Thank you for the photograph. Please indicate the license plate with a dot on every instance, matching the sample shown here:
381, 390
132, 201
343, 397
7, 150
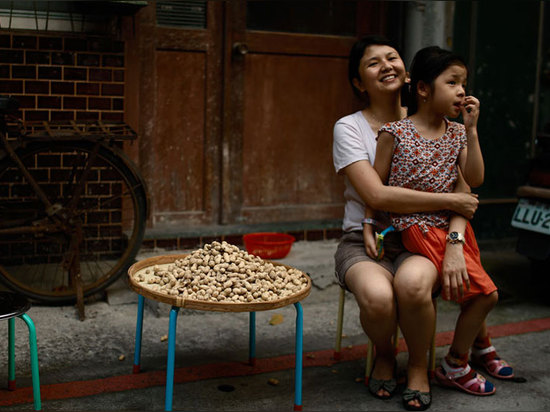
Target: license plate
533, 216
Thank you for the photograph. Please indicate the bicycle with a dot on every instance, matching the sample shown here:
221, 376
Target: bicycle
73, 207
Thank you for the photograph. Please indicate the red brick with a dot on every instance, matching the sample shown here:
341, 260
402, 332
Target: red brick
32, 57
85, 59
49, 102
5, 40
110, 60
112, 116
118, 75
23, 72
36, 115
112, 90
87, 116
63, 59
11, 56
24, 42
26, 102
99, 103
62, 88
118, 104
100, 75
11, 86
50, 43
5, 71
49, 72
37, 87
74, 102
74, 74
87, 88
62, 115
75, 44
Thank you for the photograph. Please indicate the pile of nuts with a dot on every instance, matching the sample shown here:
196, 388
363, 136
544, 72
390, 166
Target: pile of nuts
221, 272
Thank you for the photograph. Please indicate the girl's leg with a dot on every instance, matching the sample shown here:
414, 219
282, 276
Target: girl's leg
414, 283
471, 322
455, 370
372, 286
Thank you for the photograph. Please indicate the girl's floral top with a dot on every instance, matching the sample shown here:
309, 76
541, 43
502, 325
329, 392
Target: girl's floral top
425, 165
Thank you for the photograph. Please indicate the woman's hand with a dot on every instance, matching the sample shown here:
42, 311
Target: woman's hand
465, 204
370, 241
454, 276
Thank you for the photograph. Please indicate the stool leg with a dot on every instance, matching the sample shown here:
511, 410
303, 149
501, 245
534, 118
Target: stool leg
299, 357
11, 354
34, 361
252, 339
139, 331
171, 358
339, 324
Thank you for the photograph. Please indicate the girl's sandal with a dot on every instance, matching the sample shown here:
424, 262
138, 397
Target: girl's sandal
493, 365
463, 378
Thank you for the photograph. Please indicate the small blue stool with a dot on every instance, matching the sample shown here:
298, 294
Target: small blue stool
252, 350
11, 306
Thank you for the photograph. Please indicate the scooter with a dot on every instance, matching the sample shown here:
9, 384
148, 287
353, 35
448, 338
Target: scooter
532, 214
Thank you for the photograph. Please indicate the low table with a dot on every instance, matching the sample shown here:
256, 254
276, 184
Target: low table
178, 302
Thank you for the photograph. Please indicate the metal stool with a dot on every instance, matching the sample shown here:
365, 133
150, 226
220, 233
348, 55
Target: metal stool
370, 346
11, 306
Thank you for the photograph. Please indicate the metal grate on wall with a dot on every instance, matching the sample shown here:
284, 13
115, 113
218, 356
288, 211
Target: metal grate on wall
184, 14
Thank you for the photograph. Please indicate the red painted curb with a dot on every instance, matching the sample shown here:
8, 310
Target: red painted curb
141, 380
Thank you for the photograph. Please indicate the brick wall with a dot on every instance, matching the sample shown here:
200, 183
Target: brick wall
63, 77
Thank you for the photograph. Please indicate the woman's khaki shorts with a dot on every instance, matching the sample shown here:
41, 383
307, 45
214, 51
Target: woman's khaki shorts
351, 250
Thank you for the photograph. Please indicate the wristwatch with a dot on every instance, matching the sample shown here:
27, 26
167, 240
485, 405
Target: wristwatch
455, 237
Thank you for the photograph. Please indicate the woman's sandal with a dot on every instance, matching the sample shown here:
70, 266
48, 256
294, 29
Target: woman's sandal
424, 398
493, 365
375, 385
463, 378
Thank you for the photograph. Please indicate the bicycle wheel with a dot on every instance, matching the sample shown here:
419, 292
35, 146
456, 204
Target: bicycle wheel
36, 251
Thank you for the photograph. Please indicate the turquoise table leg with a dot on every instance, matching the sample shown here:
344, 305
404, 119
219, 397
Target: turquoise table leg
252, 339
11, 354
171, 358
34, 361
299, 357
139, 331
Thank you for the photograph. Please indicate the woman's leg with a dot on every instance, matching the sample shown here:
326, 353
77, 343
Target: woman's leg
373, 289
414, 283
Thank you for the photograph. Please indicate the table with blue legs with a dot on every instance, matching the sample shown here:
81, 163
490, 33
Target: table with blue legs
178, 302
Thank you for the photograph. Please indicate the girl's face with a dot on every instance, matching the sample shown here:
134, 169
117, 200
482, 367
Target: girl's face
381, 70
449, 91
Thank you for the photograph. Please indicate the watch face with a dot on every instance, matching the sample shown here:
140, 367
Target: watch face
453, 235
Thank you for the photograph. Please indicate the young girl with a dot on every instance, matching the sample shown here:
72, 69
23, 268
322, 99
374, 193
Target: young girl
425, 151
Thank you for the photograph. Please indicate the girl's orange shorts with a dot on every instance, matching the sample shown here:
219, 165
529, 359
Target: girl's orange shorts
433, 244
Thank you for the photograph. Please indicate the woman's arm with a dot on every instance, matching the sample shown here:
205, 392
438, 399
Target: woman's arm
368, 185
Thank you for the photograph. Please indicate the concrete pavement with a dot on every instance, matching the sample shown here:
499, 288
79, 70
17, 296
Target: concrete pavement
88, 365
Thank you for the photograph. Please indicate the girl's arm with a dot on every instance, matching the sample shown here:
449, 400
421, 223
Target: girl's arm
368, 185
471, 158
454, 275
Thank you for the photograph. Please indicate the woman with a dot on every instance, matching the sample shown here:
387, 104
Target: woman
377, 74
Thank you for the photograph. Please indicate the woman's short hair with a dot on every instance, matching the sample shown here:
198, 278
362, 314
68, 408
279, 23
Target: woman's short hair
357, 52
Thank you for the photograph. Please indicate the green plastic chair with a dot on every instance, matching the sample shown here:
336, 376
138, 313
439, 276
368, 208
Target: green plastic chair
11, 306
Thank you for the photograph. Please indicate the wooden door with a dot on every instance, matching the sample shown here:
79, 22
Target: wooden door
235, 113
174, 94
283, 92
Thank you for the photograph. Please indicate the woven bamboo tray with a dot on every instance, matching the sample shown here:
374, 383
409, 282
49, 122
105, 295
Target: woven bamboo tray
205, 305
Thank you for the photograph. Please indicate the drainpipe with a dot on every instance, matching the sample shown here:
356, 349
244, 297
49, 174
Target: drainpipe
537, 81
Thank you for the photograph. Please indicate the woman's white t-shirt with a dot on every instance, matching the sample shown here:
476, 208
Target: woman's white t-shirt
354, 140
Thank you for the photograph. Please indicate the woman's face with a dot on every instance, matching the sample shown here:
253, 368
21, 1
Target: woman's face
381, 70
